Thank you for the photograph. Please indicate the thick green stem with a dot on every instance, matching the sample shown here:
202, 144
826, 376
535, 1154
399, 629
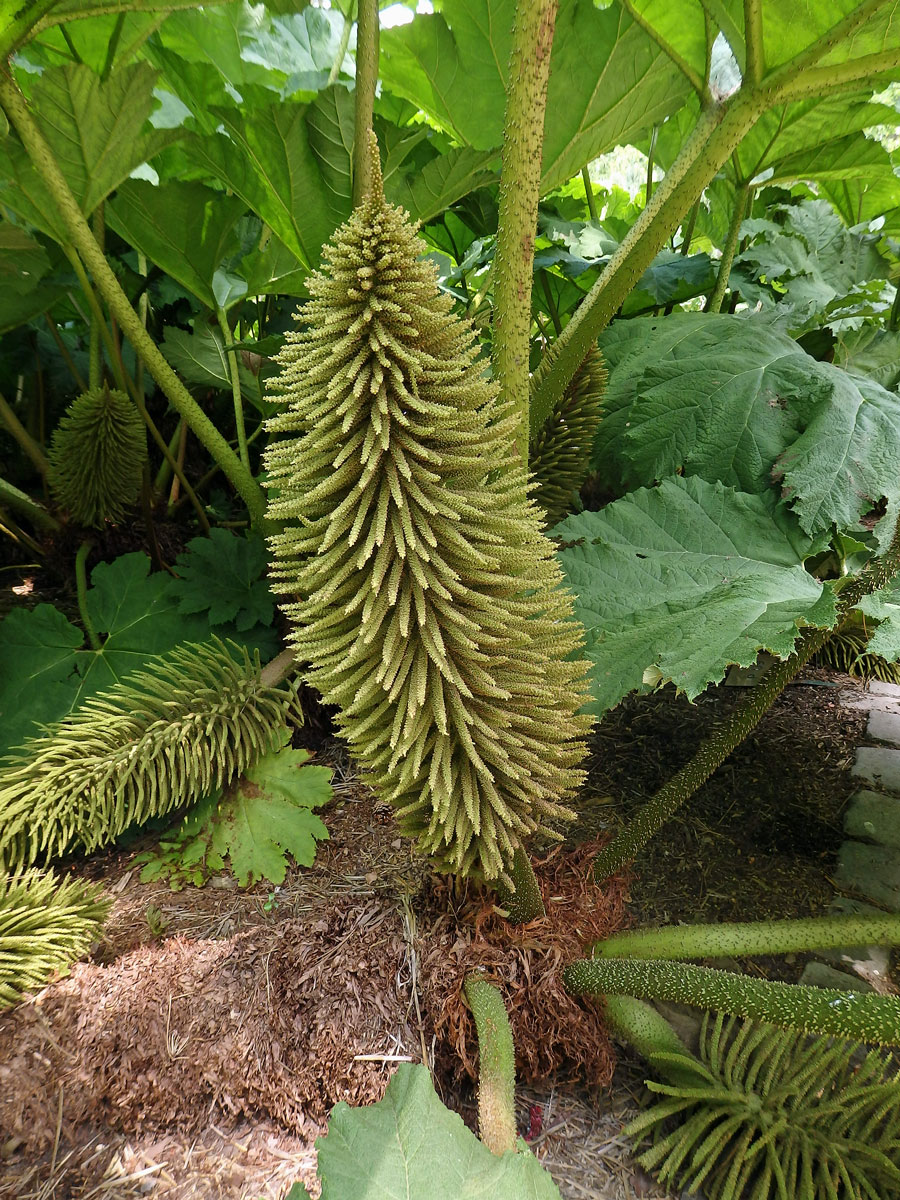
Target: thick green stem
165, 472
688, 230
741, 198
859, 1016
23, 503
551, 303
496, 1066
520, 185
589, 192
64, 351
868, 70
753, 937
648, 188
98, 321
143, 313
81, 585
639, 1024
234, 371
842, 32
755, 59
524, 903
23, 437
342, 45
24, 19
718, 131
278, 669
42, 159
367, 43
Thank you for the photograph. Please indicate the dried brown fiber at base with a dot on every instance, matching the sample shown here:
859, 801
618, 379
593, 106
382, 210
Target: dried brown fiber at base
264, 1023
553, 1032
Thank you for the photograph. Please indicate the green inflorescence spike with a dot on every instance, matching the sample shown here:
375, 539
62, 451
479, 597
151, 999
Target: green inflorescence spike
45, 924
561, 451
97, 457
164, 737
422, 593
767, 1115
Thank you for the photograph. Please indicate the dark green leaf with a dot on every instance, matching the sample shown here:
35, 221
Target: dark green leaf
95, 129
671, 279
36, 683
267, 159
200, 358
185, 228
677, 582
23, 261
426, 193
224, 575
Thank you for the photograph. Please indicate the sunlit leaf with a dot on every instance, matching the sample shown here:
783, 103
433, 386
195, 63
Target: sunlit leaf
683, 580
96, 130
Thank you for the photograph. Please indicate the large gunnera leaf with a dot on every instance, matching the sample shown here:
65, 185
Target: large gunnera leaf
682, 580
734, 399
408, 1146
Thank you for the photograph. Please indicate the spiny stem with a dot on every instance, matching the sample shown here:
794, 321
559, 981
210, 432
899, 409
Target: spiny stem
234, 372
18, 431
859, 1016
524, 903
79, 231
95, 366
81, 585
741, 201
719, 129
496, 1066
639, 1024
367, 47
23, 22
520, 181
752, 937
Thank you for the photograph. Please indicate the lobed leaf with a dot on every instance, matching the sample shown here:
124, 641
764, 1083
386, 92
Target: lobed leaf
266, 814
50, 673
224, 575
409, 1145
677, 582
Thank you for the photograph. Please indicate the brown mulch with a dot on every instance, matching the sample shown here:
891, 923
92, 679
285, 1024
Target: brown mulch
554, 1034
282, 1013
196, 1057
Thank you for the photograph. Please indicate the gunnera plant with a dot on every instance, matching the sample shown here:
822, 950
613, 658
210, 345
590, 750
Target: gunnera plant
766, 1115
421, 591
97, 457
561, 451
45, 924
163, 738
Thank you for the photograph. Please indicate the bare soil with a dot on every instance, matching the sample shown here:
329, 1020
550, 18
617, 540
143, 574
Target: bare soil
198, 1052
